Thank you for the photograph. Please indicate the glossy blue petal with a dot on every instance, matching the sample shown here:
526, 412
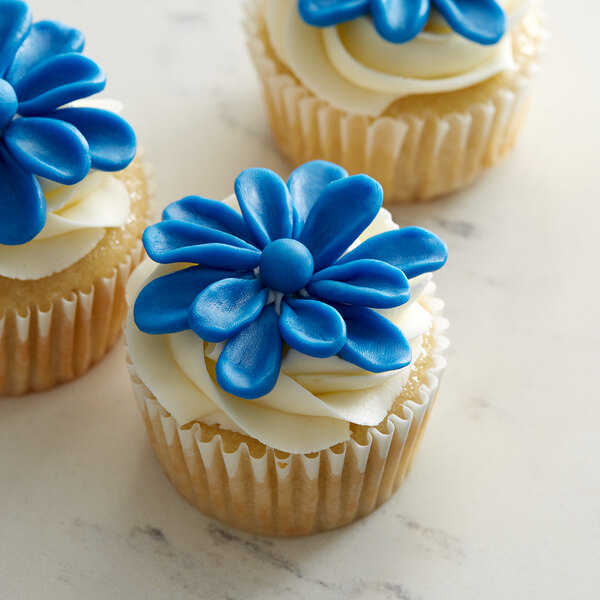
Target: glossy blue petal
249, 364
219, 256
266, 205
162, 305
399, 21
363, 283
58, 81
312, 327
110, 138
225, 307
482, 21
46, 39
178, 241
412, 249
343, 211
209, 213
8, 104
22, 202
49, 148
306, 184
15, 23
372, 342
323, 13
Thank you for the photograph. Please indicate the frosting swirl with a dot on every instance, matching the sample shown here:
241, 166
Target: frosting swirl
77, 219
352, 67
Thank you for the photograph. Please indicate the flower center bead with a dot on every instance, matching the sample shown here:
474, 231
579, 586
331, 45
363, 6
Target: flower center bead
286, 266
8, 103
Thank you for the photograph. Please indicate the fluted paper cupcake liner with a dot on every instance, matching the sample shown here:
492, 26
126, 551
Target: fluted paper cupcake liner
415, 158
50, 345
281, 494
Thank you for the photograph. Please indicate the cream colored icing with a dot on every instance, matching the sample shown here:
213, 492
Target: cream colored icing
356, 70
314, 401
77, 217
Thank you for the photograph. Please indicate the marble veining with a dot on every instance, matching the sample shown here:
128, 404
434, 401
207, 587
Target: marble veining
502, 501
462, 228
436, 541
189, 18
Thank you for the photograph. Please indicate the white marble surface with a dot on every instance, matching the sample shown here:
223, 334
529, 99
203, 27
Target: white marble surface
504, 499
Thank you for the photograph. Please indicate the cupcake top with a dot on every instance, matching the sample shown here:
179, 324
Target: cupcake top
49, 138
300, 308
362, 55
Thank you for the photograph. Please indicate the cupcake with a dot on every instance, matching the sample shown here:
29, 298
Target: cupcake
73, 206
285, 347
421, 96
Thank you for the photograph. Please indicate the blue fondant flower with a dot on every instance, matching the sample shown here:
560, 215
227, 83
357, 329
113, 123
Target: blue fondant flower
41, 70
279, 272
398, 21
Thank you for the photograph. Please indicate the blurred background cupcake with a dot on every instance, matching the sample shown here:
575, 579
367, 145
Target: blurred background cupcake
73, 205
286, 348
422, 95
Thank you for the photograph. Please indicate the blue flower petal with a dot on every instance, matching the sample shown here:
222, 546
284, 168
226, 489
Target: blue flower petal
412, 249
178, 241
49, 148
482, 21
46, 39
22, 202
58, 81
8, 104
363, 283
323, 13
306, 184
225, 307
15, 23
248, 366
208, 213
110, 138
372, 342
399, 21
343, 211
219, 256
266, 205
312, 327
162, 305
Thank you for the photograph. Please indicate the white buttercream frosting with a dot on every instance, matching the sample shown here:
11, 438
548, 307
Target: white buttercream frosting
352, 67
315, 400
77, 218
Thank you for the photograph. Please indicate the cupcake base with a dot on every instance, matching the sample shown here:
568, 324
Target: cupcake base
54, 329
422, 146
247, 485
